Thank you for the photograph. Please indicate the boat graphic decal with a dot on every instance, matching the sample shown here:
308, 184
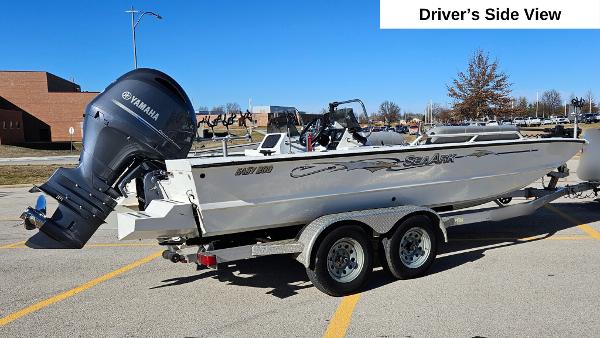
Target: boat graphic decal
480, 153
374, 165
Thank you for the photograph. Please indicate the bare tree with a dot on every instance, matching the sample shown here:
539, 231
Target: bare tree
217, 110
389, 111
362, 119
481, 90
202, 108
551, 102
232, 107
589, 98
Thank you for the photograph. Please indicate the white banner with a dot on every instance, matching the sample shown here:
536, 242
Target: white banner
489, 14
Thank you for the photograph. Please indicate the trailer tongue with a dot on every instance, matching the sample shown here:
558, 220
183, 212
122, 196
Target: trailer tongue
141, 119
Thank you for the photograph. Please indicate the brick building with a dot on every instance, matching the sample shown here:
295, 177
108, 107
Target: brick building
42, 105
11, 123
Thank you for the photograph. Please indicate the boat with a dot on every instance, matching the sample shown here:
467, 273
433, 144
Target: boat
138, 132
448, 171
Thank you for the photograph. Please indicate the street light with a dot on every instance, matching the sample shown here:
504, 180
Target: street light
134, 25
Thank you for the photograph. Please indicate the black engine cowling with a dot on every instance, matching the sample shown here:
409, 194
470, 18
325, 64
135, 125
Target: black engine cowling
140, 120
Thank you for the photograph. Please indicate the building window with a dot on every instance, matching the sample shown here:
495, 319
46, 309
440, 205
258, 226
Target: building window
18, 125
4, 124
10, 123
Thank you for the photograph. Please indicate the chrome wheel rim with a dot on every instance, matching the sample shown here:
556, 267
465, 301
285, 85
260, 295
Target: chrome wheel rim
345, 260
415, 247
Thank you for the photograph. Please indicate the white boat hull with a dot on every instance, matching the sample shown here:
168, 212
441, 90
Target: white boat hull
245, 194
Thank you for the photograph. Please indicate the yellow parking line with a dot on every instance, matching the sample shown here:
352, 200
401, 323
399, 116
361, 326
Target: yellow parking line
557, 238
12, 245
21, 245
62, 296
341, 319
585, 227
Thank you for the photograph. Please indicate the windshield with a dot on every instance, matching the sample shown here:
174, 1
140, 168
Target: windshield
282, 122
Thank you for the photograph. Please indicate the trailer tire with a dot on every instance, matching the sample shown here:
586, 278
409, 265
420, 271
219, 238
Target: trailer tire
412, 248
343, 261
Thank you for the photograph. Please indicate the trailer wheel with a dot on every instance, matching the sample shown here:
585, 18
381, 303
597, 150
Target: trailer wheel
412, 248
343, 261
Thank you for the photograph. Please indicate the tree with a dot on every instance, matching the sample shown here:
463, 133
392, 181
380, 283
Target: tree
519, 106
362, 119
217, 110
589, 97
551, 102
389, 111
441, 114
232, 107
482, 90
202, 108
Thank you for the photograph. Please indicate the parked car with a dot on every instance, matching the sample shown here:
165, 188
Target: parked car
591, 118
413, 130
492, 123
519, 121
546, 121
506, 122
533, 122
560, 120
588, 118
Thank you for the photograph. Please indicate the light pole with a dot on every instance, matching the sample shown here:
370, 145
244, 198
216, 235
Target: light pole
134, 24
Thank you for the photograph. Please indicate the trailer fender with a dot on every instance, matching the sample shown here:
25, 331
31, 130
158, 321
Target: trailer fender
381, 221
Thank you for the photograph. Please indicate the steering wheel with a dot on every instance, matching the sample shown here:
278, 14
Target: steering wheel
316, 127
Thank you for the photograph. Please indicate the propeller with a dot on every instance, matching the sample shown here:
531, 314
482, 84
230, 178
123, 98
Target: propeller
34, 218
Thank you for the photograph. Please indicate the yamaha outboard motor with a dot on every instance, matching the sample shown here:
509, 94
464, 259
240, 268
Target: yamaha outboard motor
140, 120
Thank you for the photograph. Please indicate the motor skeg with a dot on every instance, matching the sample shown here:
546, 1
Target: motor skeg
589, 164
143, 117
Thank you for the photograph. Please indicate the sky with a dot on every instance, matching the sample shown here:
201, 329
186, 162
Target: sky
300, 53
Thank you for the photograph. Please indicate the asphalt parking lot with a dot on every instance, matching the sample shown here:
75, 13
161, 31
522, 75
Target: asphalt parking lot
533, 276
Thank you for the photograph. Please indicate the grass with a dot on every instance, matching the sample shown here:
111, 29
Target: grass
19, 151
8, 151
27, 174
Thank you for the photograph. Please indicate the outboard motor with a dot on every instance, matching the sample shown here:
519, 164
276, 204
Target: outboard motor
140, 120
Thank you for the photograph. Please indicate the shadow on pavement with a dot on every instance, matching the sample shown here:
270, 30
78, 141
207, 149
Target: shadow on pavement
284, 276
